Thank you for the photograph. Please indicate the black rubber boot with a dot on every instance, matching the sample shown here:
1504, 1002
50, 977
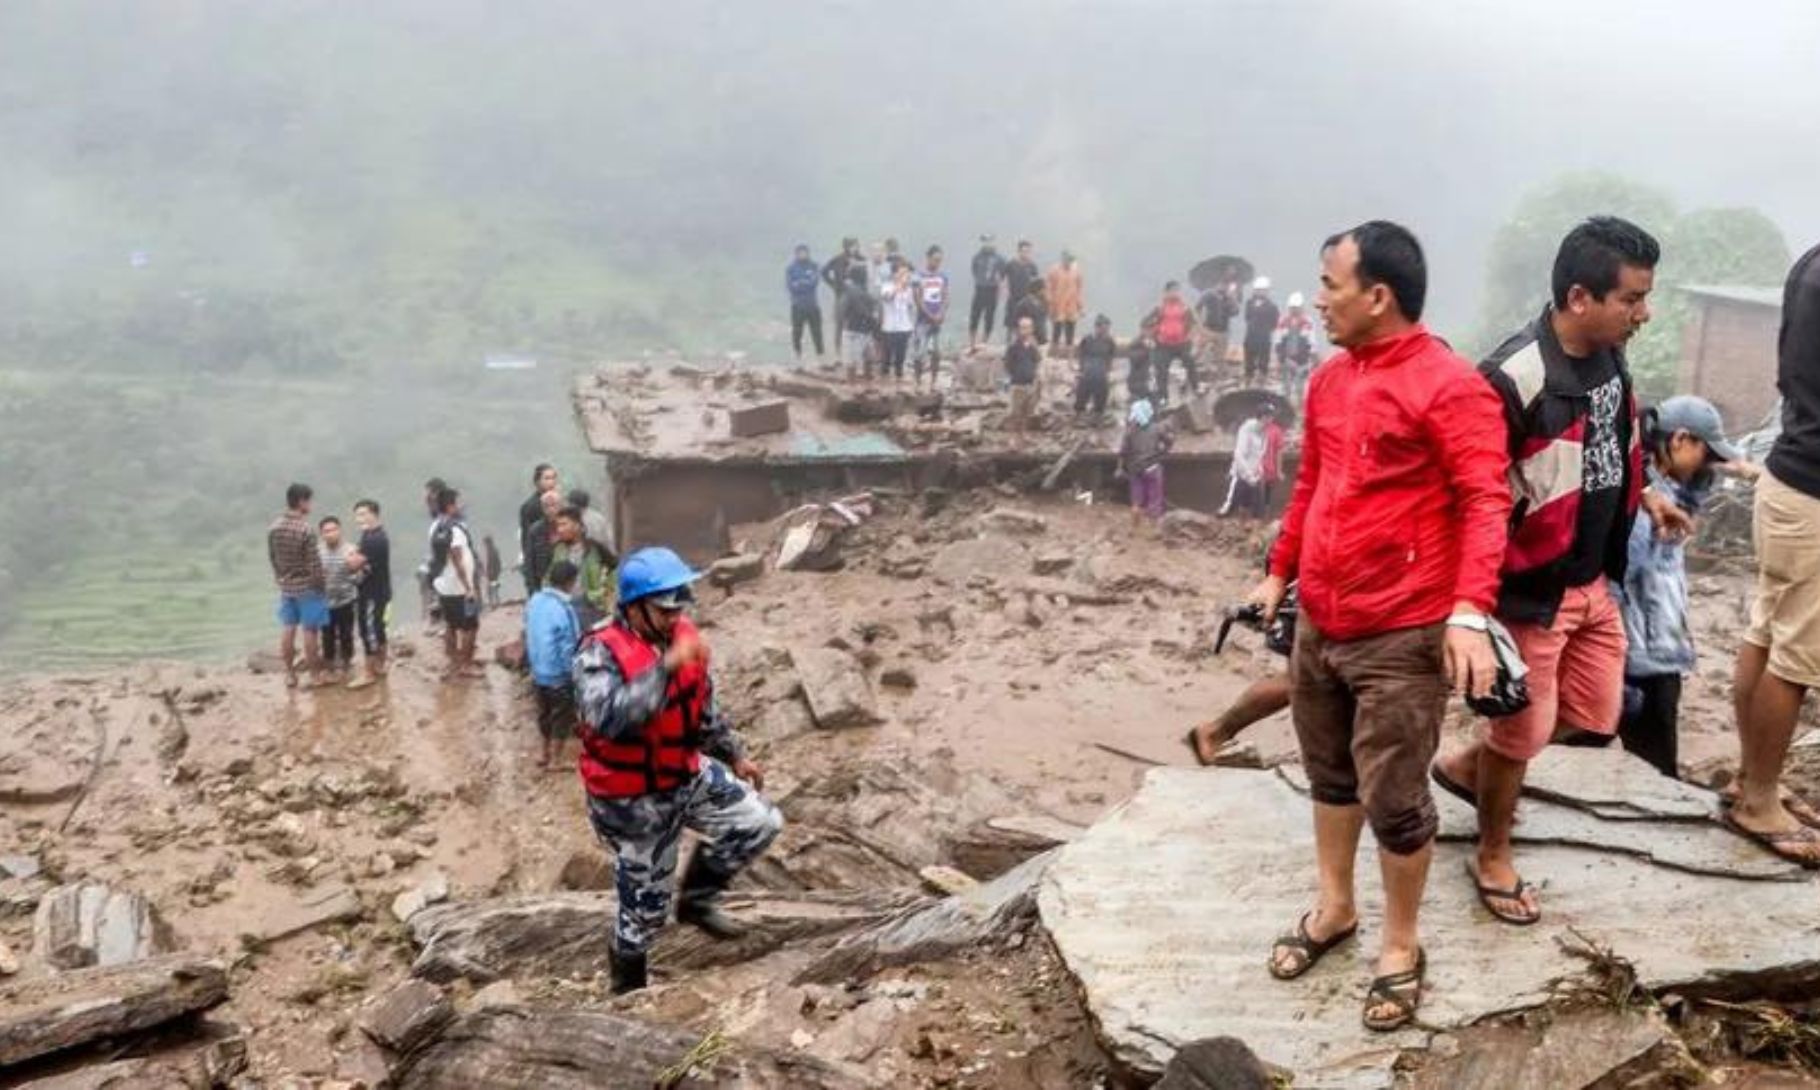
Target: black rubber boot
628, 972
698, 902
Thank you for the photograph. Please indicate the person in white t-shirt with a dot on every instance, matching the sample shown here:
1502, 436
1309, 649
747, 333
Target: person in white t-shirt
455, 576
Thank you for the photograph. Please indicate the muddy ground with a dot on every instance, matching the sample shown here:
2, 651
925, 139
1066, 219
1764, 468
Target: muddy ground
1023, 668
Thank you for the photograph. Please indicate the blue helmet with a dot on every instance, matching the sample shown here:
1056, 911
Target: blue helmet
654, 571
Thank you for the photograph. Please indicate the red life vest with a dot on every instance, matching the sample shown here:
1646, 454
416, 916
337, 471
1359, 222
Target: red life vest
668, 754
1172, 322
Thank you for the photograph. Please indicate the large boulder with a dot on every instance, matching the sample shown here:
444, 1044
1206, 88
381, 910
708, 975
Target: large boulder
1165, 912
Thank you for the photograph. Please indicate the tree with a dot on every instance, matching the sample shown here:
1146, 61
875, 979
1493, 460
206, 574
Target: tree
1737, 246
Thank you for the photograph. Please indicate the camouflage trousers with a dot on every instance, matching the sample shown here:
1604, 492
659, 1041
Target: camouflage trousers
645, 832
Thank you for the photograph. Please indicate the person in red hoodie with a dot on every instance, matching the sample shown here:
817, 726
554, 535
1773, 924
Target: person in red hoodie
1395, 529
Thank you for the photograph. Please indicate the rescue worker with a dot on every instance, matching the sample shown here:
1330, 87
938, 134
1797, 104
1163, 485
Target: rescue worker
657, 758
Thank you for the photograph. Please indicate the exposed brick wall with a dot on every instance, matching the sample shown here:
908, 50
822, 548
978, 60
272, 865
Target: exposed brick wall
1728, 356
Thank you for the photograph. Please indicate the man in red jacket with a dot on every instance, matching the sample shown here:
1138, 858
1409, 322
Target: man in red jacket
1395, 529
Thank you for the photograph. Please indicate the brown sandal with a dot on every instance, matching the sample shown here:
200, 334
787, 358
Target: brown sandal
1310, 949
1798, 808
1788, 845
1402, 990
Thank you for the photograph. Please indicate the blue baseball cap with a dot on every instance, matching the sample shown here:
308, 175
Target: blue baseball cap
1699, 418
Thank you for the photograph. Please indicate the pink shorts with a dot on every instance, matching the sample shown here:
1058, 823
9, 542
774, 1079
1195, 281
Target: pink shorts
1576, 673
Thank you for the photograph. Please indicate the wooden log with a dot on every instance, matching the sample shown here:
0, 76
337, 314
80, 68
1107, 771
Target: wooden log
47, 1015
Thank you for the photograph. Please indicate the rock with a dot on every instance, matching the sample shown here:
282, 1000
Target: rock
930, 931
1183, 525
222, 1060
407, 1015
562, 934
365, 1064
1216, 1063
312, 908
66, 1010
264, 661
508, 1048
588, 869
20, 866
9, 961
89, 924
1127, 906
835, 687
898, 677
768, 418
141, 1074
1052, 563
1597, 1047
947, 881
432, 890
500, 993
511, 653
730, 571
1010, 520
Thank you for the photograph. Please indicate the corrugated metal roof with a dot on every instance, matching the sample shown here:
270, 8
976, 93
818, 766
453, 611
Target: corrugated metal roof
1737, 293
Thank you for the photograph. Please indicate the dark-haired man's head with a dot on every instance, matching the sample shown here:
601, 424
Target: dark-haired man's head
1173, 287
448, 501
568, 525
802, 251
578, 497
1023, 248
1374, 281
934, 255
330, 528
544, 477
431, 489
297, 498
366, 514
1603, 275
562, 575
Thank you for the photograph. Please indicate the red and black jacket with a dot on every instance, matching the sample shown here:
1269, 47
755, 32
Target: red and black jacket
667, 753
1545, 410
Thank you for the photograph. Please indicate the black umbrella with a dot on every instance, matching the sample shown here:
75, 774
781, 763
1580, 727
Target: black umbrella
1235, 408
1215, 271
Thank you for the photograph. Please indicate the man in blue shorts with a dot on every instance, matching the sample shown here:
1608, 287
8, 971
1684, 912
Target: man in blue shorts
297, 568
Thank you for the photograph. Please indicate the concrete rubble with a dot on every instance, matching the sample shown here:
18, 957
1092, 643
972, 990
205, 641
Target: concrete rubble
835, 686
1166, 910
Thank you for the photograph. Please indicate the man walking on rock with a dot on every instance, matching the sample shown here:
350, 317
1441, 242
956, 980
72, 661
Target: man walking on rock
1779, 660
658, 757
1578, 477
1395, 531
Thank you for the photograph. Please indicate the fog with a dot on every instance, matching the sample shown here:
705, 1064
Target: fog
317, 206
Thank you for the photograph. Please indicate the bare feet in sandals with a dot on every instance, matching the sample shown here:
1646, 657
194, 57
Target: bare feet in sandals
1396, 992
1504, 893
1789, 839
1315, 934
1206, 740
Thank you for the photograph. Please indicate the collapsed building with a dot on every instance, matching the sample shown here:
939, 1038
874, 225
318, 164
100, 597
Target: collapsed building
693, 449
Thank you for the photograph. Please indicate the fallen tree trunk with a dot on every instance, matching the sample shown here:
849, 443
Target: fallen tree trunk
43, 1016
507, 1048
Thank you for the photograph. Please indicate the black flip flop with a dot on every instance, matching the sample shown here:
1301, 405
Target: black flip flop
1798, 808
1488, 893
1458, 790
1402, 990
1312, 951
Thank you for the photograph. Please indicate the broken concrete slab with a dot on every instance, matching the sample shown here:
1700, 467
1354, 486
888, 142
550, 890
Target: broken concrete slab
1699, 847
407, 1016
313, 908
1614, 785
1128, 903
47, 1015
835, 687
87, 923
1051, 563
506, 1048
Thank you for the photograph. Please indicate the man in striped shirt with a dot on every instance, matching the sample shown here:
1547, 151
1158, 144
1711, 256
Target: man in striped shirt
302, 598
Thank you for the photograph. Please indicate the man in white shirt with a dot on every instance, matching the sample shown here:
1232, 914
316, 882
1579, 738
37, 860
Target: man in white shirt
1246, 492
455, 578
